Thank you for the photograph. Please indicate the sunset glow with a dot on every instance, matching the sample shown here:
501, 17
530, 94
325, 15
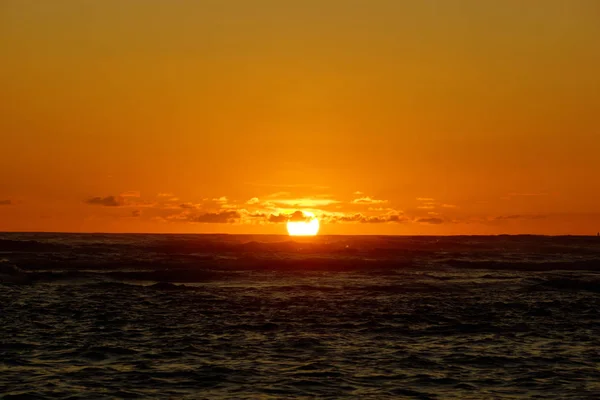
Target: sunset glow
309, 227
383, 117
312, 194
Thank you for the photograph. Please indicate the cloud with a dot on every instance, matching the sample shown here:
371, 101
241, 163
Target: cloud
501, 217
6, 202
374, 220
109, 201
187, 206
349, 218
253, 200
298, 216
396, 218
223, 202
167, 197
278, 218
269, 204
518, 216
316, 187
383, 219
256, 215
279, 194
139, 203
130, 193
307, 202
449, 206
428, 203
136, 213
527, 194
364, 219
358, 193
432, 220
129, 199
367, 200
222, 217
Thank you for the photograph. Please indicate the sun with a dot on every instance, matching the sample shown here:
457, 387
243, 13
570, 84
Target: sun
303, 224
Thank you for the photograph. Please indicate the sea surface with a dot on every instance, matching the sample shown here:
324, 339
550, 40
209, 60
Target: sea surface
234, 317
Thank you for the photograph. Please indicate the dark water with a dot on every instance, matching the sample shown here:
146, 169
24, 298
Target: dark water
125, 316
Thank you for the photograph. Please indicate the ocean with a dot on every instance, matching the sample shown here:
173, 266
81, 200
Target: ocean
232, 317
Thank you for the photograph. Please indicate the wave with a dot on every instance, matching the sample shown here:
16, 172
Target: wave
570, 284
10, 273
575, 265
8, 245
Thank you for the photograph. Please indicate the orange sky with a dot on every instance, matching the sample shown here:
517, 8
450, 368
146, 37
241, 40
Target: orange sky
380, 116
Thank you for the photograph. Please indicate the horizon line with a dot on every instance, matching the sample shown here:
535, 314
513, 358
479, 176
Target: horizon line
283, 234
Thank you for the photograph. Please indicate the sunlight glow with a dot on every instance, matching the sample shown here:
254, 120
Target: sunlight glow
310, 227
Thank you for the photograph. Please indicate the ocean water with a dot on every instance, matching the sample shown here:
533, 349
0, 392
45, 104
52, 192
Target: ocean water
221, 316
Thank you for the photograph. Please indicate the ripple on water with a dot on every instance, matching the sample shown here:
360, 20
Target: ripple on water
279, 335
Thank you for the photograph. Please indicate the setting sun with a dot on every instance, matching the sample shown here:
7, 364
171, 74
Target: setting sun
157, 153
303, 224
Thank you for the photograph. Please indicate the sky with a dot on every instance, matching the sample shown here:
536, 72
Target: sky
379, 116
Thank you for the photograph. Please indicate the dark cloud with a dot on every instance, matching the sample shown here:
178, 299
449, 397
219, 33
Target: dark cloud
109, 201
396, 218
130, 200
517, 216
363, 219
433, 221
6, 202
278, 218
136, 213
350, 218
257, 215
187, 205
509, 217
223, 217
374, 220
298, 216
